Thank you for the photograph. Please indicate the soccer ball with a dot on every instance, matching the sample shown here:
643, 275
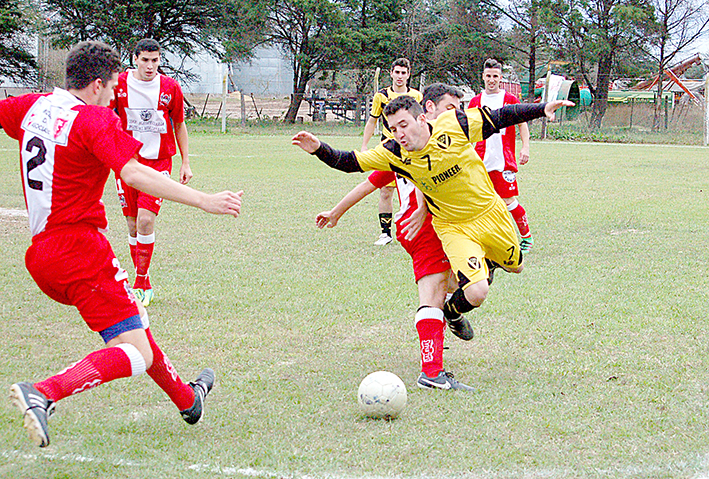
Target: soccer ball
382, 395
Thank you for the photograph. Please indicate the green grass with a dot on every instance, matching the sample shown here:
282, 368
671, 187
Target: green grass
591, 363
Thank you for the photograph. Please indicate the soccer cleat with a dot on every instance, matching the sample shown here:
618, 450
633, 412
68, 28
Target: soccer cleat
491, 267
525, 244
383, 239
201, 387
36, 409
147, 297
461, 327
444, 380
139, 294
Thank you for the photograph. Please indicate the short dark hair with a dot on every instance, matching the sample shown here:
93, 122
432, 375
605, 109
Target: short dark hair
403, 102
436, 91
401, 62
146, 45
492, 63
88, 61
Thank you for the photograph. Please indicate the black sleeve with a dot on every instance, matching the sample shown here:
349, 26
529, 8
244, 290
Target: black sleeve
338, 159
496, 120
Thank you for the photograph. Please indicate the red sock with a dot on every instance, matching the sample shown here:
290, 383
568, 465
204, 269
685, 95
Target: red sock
97, 368
165, 376
143, 255
520, 217
430, 324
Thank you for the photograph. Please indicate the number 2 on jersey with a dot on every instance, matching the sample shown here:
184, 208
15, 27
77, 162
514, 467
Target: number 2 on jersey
35, 161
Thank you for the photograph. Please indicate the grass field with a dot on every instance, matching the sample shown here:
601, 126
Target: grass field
592, 363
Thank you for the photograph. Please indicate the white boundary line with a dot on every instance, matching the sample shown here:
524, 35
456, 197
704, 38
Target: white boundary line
680, 468
8, 212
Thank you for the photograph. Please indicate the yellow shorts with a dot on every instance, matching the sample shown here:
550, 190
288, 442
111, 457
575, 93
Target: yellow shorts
492, 236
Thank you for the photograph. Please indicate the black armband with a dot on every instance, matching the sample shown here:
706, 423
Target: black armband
338, 159
496, 120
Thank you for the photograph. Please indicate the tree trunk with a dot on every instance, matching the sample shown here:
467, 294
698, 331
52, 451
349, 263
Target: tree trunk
297, 97
532, 55
600, 102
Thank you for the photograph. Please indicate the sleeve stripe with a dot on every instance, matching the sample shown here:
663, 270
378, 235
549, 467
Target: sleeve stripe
463, 122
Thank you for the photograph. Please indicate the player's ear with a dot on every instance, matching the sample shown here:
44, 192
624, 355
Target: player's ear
429, 106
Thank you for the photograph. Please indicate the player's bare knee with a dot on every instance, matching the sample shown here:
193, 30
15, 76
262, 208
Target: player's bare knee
477, 292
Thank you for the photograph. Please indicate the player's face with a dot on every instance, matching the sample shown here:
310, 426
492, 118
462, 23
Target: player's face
410, 132
447, 102
105, 94
491, 78
399, 76
146, 64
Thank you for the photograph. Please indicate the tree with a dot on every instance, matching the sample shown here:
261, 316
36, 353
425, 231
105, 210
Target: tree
182, 27
678, 24
311, 33
592, 33
16, 62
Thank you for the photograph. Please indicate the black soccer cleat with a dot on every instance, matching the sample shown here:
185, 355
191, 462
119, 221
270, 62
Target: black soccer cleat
201, 386
461, 327
36, 409
444, 380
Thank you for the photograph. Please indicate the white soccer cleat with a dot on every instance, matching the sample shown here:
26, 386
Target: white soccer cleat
383, 239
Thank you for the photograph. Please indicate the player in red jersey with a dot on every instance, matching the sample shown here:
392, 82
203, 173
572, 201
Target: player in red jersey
432, 271
69, 142
498, 151
151, 107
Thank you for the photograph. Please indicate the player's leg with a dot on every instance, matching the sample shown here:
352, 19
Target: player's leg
145, 226
386, 195
92, 280
128, 199
505, 183
430, 324
519, 214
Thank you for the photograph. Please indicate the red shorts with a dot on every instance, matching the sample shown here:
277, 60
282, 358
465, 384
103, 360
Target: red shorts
132, 199
505, 183
76, 266
426, 251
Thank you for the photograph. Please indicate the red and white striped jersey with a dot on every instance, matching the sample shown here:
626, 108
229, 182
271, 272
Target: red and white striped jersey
67, 149
498, 151
149, 110
405, 189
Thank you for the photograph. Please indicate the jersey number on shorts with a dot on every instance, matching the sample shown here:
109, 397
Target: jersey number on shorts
35, 161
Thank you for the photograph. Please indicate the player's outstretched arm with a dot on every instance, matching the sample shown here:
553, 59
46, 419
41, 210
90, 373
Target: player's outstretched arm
156, 184
508, 115
330, 218
338, 159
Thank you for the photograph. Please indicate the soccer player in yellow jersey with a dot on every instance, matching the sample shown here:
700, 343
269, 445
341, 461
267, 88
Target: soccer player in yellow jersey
469, 217
400, 73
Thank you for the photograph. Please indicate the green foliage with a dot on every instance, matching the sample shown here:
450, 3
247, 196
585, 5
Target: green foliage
16, 61
182, 27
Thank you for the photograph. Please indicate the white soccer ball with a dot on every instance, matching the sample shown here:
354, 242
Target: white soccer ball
382, 395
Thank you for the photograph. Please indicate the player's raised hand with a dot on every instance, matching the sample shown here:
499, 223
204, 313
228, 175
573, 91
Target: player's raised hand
224, 203
307, 141
552, 106
326, 218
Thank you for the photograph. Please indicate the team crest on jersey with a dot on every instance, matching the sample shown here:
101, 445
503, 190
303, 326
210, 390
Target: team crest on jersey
406, 161
49, 121
146, 115
443, 141
426, 185
474, 263
509, 176
165, 98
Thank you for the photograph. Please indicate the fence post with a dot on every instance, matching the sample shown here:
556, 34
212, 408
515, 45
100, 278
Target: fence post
243, 108
225, 73
632, 106
706, 110
666, 101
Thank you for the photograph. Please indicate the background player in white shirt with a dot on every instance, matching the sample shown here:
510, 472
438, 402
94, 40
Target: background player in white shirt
498, 151
151, 108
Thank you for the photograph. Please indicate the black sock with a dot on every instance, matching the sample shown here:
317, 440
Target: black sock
457, 305
385, 222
